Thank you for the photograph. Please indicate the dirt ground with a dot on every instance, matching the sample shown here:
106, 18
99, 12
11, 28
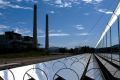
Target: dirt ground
17, 62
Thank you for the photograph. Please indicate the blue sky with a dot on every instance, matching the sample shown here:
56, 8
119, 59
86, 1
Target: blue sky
71, 22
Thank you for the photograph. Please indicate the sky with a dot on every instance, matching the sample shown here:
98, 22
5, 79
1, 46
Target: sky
71, 22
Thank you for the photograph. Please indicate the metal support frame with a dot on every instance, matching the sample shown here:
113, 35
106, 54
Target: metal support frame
106, 43
85, 71
113, 64
106, 40
111, 43
107, 75
118, 37
103, 42
103, 45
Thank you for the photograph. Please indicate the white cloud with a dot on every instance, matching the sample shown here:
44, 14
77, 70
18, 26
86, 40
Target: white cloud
62, 3
25, 0
56, 35
86, 14
1, 33
98, 1
67, 4
17, 30
21, 23
79, 27
52, 12
70, 3
105, 11
4, 2
23, 31
83, 34
59, 31
55, 31
18, 0
19, 7
46, 0
87, 1
58, 1
1, 14
92, 1
3, 27
8, 4
40, 31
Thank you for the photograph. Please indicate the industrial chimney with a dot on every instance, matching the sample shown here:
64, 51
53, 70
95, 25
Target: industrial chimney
35, 25
47, 34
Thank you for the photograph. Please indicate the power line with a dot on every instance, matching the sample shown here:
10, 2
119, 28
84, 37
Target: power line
108, 27
99, 19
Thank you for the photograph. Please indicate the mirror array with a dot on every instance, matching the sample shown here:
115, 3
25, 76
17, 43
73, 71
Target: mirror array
69, 68
111, 62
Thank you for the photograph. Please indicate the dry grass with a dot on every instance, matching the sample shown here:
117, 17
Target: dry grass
23, 54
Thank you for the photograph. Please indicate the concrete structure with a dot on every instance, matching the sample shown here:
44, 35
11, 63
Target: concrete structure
11, 35
47, 34
11, 39
35, 25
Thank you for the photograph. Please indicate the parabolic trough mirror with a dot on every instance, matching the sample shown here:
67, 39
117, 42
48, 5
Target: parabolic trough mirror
69, 68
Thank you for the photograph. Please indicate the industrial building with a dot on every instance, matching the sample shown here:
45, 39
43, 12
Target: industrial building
10, 39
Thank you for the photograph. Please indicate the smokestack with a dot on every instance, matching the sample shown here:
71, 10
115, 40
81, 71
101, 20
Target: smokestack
47, 34
35, 25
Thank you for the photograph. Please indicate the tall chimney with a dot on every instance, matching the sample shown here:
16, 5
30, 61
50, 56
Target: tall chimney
35, 25
47, 34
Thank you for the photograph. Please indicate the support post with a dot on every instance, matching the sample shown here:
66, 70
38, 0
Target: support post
118, 38
110, 43
103, 47
106, 44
